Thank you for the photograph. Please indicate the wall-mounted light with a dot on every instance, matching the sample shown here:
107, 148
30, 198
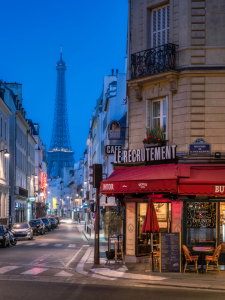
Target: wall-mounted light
217, 154
35, 175
6, 153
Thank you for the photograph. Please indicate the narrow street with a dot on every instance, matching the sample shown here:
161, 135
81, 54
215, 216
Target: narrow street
48, 255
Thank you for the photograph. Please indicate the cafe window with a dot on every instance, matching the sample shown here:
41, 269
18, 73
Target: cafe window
222, 226
163, 213
201, 224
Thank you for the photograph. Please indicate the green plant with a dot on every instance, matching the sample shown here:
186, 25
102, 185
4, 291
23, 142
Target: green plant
43, 209
154, 136
113, 222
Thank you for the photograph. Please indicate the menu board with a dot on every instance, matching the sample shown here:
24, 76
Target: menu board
170, 252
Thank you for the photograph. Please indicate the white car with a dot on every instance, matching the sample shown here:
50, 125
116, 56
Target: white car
22, 231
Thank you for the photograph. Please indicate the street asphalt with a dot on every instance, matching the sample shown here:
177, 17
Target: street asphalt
59, 265
57, 291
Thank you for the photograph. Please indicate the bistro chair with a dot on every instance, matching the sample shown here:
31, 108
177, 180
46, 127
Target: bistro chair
214, 259
189, 258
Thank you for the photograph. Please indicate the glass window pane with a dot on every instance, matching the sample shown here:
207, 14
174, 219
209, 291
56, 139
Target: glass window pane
222, 226
156, 109
164, 124
164, 107
201, 224
156, 123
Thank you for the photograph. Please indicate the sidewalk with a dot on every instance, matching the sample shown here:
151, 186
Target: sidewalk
139, 273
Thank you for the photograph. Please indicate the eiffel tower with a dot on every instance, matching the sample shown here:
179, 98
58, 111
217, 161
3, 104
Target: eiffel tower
60, 153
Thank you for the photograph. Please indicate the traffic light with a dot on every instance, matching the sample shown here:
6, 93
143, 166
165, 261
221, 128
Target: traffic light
97, 175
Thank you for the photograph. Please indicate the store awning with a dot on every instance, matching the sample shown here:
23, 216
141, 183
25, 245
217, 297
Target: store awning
203, 180
142, 179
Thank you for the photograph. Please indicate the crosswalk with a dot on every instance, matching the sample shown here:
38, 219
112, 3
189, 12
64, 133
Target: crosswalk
49, 244
21, 270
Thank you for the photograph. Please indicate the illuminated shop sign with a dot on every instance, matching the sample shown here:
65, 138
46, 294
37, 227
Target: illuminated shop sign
44, 177
164, 154
111, 149
114, 130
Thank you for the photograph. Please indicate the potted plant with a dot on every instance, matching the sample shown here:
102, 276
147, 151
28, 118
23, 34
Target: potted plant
112, 222
155, 137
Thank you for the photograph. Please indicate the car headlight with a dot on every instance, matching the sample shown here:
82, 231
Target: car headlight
1, 237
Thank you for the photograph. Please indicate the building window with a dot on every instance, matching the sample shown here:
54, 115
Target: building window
1, 126
5, 131
160, 26
157, 115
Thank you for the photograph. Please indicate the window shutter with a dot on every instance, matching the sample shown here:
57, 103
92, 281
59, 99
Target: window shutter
154, 28
160, 26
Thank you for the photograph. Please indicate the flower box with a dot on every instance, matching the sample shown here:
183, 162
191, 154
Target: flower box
152, 145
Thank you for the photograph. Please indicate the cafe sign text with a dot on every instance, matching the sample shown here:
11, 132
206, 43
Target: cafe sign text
152, 154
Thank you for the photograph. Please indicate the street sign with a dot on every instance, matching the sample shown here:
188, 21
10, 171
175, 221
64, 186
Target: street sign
200, 147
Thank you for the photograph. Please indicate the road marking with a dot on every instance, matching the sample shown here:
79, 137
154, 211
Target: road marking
43, 244
80, 266
63, 273
57, 245
82, 234
72, 246
34, 271
30, 244
69, 262
7, 269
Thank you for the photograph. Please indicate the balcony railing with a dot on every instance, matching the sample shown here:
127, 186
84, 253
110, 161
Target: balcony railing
153, 61
20, 192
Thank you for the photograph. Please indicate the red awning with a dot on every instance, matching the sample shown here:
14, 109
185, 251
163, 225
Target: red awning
204, 180
142, 179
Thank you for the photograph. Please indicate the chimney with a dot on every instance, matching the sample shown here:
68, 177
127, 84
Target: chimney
112, 72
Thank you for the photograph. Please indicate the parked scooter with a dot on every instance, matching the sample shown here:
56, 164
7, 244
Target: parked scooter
12, 239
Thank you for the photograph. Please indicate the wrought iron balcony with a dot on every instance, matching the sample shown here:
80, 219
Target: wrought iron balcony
153, 61
20, 192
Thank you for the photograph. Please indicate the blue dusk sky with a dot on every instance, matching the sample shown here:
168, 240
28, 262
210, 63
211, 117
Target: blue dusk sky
93, 35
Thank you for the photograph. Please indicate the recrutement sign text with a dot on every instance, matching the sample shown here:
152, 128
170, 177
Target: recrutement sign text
151, 154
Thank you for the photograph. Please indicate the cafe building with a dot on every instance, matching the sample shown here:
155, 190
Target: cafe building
189, 199
175, 115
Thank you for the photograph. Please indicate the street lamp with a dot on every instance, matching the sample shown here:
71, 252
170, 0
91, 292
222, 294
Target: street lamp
35, 175
6, 153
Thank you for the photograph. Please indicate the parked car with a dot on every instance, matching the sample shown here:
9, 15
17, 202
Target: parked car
22, 230
4, 237
48, 224
38, 226
58, 219
53, 222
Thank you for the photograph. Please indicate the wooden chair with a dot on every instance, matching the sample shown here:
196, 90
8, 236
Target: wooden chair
189, 258
214, 259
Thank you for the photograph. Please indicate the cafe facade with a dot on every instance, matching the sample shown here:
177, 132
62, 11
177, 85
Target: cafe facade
188, 197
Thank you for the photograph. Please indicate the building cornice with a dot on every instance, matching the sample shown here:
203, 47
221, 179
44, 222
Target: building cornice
31, 136
21, 118
5, 107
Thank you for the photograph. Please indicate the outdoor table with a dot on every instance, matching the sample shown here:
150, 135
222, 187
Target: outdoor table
201, 251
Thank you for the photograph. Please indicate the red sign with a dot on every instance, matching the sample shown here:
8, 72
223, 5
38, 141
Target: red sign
44, 181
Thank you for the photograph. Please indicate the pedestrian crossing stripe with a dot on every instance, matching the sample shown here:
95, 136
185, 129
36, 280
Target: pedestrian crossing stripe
7, 269
33, 271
